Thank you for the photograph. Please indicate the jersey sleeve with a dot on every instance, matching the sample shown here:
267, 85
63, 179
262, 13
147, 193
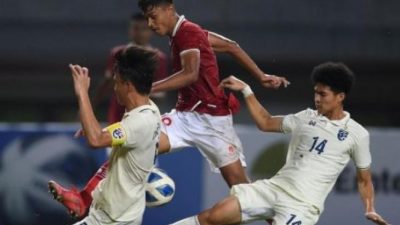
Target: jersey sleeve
124, 133
191, 38
361, 154
291, 121
133, 133
119, 134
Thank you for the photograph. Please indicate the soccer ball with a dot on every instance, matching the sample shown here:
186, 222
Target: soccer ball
160, 188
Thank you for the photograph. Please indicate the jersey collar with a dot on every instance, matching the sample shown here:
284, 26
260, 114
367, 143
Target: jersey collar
140, 108
341, 122
178, 24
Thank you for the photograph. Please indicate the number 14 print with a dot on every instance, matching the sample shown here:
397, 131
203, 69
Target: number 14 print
291, 220
318, 146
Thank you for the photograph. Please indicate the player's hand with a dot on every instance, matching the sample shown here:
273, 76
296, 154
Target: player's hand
376, 218
80, 76
272, 81
79, 133
233, 83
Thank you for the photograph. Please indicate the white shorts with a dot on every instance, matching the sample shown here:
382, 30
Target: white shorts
263, 200
214, 136
100, 217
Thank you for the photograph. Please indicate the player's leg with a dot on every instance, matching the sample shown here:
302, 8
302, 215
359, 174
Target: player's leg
164, 145
173, 135
77, 202
291, 211
223, 152
86, 193
234, 173
293, 217
226, 211
221, 146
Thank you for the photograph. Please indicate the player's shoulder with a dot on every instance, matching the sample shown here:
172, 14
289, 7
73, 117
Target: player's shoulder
190, 27
306, 113
143, 114
357, 129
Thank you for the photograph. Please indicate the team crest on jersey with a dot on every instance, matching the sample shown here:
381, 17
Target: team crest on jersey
118, 133
342, 135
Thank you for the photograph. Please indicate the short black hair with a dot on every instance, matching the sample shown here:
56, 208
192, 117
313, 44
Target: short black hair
138, 17
144, 5
137, 65
336, 75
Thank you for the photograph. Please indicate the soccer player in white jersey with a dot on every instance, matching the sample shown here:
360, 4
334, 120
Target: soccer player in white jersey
120, 196
322, 143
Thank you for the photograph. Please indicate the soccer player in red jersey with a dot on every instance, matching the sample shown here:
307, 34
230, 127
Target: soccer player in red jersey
139, 34
202, 117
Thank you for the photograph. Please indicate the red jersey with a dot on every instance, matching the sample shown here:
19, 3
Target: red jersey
115, 110
202, 96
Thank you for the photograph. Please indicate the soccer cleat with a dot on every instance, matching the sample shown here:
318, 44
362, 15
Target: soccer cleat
71, 199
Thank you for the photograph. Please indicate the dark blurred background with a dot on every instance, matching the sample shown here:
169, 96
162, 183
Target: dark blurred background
39, 38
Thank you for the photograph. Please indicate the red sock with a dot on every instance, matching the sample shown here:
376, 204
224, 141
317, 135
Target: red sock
86, 193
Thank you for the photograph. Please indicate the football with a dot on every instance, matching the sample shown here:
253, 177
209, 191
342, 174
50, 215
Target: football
160, 188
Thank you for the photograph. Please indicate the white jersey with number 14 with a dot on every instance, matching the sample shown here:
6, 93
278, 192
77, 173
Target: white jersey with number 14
319, 150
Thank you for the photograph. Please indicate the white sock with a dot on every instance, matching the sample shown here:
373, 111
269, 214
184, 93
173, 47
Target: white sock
188, 221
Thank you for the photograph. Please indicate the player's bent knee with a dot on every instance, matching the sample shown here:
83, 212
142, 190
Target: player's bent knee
210, 217
225, 212
215, 218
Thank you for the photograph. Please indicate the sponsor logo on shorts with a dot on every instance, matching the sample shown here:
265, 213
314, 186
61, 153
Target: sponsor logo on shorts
118, 133
166, 121
231, 149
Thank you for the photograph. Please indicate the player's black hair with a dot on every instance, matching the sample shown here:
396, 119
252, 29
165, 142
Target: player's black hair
138, 17
137, 65
144, 5
335, 75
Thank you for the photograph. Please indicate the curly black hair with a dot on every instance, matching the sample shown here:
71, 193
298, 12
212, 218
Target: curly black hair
336, 75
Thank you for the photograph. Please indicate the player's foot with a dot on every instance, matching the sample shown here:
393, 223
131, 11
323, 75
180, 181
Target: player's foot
71, 199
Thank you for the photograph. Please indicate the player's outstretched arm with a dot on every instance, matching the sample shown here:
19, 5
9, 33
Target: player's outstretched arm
190, 61
91, 127
220, 43
264, 120
366, 189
